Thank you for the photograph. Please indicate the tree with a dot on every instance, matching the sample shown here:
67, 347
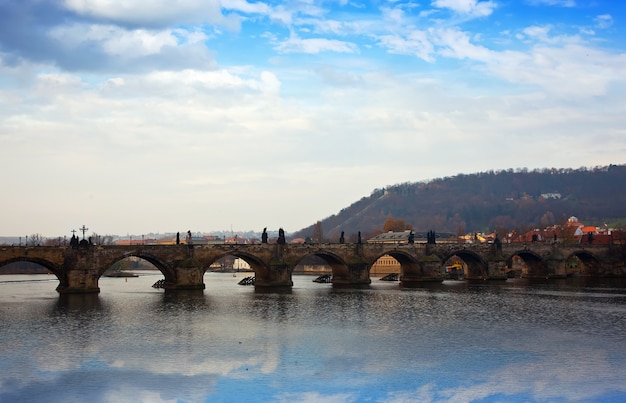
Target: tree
318, 233
547, 219
35, 240
391, 224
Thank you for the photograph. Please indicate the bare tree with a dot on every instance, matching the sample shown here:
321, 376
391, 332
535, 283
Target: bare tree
35, 240
318, 233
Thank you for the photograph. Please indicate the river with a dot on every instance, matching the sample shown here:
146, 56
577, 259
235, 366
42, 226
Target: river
557, 341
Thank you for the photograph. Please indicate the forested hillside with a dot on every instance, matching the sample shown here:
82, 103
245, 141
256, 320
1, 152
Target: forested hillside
487, 201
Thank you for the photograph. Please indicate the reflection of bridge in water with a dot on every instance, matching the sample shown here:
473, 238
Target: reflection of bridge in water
183, 266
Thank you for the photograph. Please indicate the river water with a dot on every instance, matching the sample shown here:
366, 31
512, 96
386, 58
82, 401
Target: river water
557, 341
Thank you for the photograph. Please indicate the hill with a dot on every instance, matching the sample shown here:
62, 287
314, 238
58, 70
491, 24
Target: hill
487, 201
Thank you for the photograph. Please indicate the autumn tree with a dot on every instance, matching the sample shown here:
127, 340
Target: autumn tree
391, 224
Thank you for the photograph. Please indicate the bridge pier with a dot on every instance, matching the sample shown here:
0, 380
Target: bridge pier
427, 270
188, 278
556, 268
78, 282
356, 274
278, 275
79, 273
496, 270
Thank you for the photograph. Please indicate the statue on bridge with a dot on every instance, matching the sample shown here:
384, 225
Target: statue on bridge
342, 239
74, 241
264, 235
431, 237
498, 244
281, 237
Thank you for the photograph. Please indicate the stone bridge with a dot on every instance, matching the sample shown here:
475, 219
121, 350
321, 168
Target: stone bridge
183, 266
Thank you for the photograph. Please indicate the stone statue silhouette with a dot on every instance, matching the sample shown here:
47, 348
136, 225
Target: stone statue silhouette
341, 238
431, 237
264, 235
281, 236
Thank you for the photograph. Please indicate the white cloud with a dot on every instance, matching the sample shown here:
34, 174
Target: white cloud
112, 98
295, 44
551, 64
603, 21
456, 44
473, 8
559, 3
315, 397
417, 43
246, 7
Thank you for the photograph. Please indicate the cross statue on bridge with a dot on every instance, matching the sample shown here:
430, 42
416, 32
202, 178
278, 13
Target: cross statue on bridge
83, 229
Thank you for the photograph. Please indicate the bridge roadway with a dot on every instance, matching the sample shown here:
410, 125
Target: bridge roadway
183, 266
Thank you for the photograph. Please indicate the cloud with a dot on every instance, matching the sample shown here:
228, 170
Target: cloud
79, 45
315, 397
155, 14
417, 43
603, 21
296, 44
472, 8
549, 64
301, 94
559, 3
591, 378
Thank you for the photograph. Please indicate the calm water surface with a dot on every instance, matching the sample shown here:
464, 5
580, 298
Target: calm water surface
557, 341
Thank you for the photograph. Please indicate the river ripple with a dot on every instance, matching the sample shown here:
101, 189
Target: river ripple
555, 341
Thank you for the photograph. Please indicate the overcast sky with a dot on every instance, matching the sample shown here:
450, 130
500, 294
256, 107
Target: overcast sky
145, 116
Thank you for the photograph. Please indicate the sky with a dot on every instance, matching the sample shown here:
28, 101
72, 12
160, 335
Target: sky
204, 115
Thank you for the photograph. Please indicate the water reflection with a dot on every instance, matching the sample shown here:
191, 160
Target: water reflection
78, 302
186, 299
453, 341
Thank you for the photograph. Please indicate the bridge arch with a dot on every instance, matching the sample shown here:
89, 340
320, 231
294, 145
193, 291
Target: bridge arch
50, 266
583, 262
534, 265
166, 269
475, 267
338, 266
409, 265
257, 265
